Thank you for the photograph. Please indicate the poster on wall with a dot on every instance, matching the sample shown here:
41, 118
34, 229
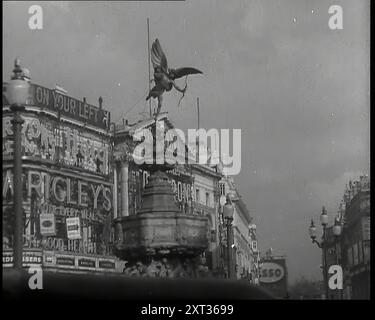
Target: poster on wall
47, 224
73, 228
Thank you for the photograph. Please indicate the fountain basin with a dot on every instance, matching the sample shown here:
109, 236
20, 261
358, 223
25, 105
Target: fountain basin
162, 234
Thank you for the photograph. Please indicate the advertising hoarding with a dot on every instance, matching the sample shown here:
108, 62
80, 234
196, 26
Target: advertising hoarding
274, 276
29, 258
47, 224
73, 228
55, 101
67, 261
49, 141
271, 272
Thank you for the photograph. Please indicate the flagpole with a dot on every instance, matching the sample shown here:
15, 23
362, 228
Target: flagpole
149, 67
198, 112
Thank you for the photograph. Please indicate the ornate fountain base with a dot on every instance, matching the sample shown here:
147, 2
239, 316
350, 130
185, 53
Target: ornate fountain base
163, 233
171, 267
162, 237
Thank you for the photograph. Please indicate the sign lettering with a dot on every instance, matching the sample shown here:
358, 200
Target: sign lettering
67, 106
271, 272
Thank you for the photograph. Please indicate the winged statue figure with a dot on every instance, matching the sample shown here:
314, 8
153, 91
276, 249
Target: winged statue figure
165, 77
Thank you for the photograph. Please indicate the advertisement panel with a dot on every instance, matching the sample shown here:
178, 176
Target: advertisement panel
81, 262
48, 140
274, 276
47, 224
66, 106
73, 228
181, 181
271, 272
62, 195
29, 258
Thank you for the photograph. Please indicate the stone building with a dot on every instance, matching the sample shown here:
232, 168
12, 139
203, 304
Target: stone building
67, 179
245, 249
206, 196
355, 239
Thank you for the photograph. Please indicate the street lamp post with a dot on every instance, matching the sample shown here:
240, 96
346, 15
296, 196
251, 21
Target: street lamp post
337, 233
17, 93
228, 212
337, 229
321, 245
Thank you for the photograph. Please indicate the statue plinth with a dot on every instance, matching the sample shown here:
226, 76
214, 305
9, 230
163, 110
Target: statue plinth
160, 228
161, 234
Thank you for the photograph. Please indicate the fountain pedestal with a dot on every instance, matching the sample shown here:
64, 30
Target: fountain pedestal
161, 237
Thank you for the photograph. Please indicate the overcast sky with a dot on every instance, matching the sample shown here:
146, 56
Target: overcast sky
298, 90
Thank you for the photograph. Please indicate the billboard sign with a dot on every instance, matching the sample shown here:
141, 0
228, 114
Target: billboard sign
271, 272
49, 140
274, 276
29, 258
81, 262
47, 224
73, 228
66, 106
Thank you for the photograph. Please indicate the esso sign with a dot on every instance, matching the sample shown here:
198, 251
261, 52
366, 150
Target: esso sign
271, 272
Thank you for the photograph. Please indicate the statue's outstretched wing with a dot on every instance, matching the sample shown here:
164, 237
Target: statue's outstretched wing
158, 57
179, 73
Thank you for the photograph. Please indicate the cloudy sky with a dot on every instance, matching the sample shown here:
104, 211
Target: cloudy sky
298, 90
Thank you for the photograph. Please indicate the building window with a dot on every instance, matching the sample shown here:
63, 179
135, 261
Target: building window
254, 246
366, 252
350, 256
207, 199
222, 189
360, 252
179, 191
355, 254
145, 178
197, 197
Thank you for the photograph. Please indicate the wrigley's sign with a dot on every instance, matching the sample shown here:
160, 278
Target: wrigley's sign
67, 106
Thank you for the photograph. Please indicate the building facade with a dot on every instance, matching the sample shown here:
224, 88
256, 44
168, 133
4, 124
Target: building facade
355, 240
245, 248
351, 249
67, 183
206, 196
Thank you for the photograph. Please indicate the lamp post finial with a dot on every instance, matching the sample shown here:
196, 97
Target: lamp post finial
17, 71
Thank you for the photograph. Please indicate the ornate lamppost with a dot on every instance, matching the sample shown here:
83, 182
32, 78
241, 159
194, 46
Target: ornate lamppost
228, 212
17, 94
321, 245
337, 229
